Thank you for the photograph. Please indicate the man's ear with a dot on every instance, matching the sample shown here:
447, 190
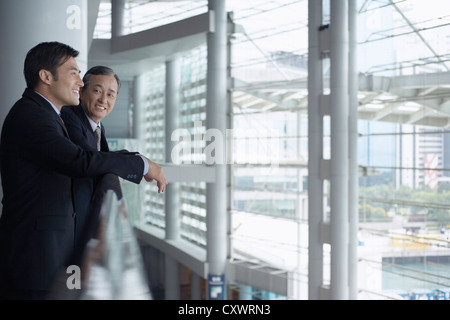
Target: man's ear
45, 76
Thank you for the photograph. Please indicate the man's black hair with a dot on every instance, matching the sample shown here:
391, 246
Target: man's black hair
48, 56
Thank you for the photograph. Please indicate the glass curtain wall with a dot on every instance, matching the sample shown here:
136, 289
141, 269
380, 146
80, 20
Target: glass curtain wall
192, 118
404, 201
403, 148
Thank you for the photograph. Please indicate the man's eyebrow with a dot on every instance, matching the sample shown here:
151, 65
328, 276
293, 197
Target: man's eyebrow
101, 86
75, 69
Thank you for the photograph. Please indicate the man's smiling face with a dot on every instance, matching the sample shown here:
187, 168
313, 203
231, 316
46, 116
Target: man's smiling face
99, 96
65, 86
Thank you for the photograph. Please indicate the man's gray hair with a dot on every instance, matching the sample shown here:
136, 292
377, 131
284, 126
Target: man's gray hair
100, 70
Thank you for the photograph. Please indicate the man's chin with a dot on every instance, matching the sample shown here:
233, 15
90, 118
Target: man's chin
100, 115
74, 103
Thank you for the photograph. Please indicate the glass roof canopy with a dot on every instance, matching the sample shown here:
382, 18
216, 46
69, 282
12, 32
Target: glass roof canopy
403, 53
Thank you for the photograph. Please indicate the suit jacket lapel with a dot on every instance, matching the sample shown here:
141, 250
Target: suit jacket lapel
61, 123
90, 135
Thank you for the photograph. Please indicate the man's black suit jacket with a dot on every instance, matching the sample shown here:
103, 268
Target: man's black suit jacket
79, 129
37, 164
80, 132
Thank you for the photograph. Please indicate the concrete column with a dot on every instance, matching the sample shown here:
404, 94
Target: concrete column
229, 156
315, 151
117, 18
24, 24
298, 212
339, 176
139, 131
216, 100
172, 107
172, 190
353, 153
139, 109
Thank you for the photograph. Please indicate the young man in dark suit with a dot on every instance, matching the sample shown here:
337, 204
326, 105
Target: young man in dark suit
97, 100
37, 164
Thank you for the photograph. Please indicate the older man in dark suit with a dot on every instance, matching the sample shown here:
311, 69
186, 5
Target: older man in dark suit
83, 122
37, 164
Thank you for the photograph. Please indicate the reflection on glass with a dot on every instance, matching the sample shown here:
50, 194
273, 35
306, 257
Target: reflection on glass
113, 267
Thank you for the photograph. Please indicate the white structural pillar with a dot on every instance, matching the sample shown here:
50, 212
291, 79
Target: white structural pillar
172, 107
339, 165
117, 18
315, 152
216, 193
172, 198
338, 42
24, 24
353, 153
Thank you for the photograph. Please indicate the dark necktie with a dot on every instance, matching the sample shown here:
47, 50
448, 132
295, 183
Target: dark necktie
98, 133
61, 118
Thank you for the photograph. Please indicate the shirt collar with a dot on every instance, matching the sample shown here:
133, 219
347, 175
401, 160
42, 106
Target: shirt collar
92, 122
53, 106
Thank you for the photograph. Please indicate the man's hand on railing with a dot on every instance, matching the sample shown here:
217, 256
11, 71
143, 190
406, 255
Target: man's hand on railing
155, 172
